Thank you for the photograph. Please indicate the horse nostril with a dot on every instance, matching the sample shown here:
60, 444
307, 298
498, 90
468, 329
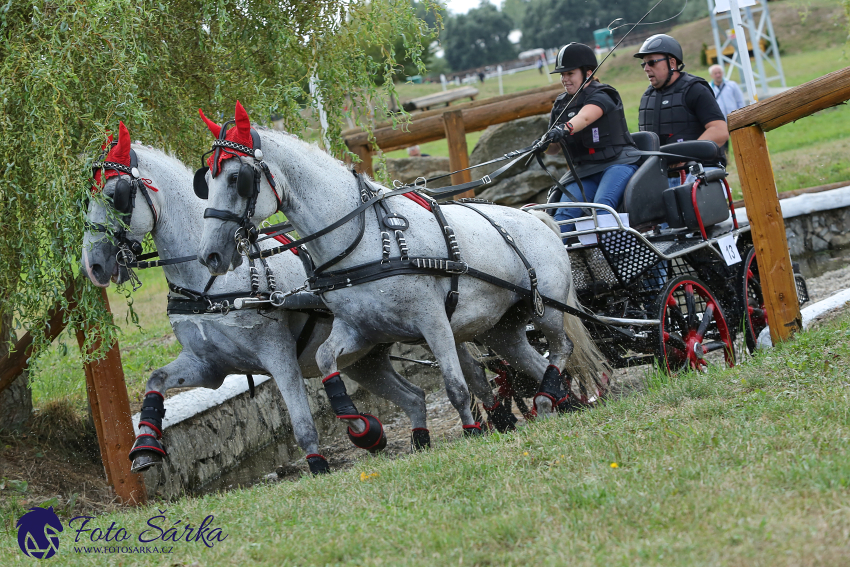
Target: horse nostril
98, 272
213, 260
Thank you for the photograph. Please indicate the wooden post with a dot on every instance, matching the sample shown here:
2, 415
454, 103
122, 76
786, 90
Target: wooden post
364, 152
768, 230
458, 153
111, 413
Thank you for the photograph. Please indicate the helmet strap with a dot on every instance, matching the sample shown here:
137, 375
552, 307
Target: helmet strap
670, 72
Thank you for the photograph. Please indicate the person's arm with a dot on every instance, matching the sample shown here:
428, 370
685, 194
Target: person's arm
588, 114
717, 131
701, 99
739, 97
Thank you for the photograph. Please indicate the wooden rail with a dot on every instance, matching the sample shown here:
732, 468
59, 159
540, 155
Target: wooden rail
434, 125
107, 394
747, 127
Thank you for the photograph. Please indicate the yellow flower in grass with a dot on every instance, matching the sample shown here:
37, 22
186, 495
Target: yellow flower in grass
364, 477
614, 465
525, 454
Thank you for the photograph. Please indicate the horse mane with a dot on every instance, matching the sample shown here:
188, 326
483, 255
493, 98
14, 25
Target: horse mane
311, 149
159, 157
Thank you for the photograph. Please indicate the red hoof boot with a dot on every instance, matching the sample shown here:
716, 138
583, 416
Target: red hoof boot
473, 430
318, 464
373, 438
421, 439
147, 452
501, 418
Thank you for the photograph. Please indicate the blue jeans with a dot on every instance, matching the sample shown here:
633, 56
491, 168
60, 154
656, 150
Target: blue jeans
606, 188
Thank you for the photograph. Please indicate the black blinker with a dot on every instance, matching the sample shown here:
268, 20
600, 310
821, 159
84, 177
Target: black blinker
202, 190
245, 181
122, 196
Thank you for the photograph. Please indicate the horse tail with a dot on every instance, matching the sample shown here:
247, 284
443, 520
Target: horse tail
546, 219
587, 363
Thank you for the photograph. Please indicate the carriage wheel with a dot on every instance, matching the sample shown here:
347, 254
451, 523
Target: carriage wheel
755, 315
692, 325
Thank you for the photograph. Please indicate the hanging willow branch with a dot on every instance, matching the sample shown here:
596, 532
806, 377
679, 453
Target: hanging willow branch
72, 69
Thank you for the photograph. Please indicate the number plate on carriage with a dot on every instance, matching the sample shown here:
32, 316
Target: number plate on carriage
729, 250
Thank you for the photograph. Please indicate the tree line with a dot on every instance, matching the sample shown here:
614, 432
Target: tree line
479, 37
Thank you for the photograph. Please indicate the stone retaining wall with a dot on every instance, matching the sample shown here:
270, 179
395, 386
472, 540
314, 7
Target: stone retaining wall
208, 433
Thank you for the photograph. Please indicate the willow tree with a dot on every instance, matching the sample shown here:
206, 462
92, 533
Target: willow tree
72, 68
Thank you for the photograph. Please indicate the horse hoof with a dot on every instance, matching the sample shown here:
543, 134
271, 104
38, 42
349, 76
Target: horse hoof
318, 464
421, 439
145, 460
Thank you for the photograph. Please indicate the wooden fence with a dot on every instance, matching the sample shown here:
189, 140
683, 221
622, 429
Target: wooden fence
452, 124
107, 394
747, 127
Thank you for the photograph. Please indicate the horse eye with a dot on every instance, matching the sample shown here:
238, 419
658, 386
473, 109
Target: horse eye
233, 177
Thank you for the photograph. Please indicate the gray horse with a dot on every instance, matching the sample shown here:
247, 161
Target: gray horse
255, 172
216, 344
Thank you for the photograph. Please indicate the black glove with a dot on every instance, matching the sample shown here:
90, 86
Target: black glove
556, 134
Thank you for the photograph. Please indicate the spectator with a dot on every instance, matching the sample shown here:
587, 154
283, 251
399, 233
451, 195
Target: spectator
727, 93
540, 64
415, 151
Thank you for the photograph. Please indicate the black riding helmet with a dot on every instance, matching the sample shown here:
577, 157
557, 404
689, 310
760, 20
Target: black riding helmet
574, 55
664, 44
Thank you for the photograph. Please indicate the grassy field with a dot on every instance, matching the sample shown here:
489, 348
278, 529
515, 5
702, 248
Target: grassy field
743, 466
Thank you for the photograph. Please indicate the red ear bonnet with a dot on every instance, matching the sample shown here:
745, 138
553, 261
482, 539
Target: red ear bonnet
239, 133
120, 153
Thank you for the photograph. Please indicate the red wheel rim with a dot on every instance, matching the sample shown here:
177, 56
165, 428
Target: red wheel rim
756, 315
692, 325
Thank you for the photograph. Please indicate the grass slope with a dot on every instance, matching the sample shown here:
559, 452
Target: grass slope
746, 466
805, 154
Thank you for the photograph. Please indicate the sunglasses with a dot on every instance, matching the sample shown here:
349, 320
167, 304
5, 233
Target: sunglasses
653, 62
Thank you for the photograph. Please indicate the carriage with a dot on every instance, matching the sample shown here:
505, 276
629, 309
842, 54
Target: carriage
672, 276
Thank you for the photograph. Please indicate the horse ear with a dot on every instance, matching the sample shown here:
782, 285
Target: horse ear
121, 152
202, 190
214, 128
243, 123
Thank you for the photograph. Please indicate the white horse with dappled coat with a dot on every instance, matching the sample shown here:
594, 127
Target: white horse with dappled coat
148, 191
400, 269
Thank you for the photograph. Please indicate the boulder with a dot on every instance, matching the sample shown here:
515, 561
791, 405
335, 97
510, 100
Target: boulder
519, 184
407, 170
518, 189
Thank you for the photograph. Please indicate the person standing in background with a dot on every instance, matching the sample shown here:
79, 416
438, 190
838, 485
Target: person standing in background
727, 93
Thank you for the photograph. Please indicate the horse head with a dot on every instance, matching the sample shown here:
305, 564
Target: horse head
116, 225
240, 189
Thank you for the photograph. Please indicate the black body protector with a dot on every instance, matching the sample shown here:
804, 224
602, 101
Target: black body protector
602, 140
665, 112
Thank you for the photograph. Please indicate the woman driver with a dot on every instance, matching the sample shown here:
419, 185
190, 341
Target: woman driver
594, 129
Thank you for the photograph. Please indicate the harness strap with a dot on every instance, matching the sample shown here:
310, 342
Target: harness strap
537, 301
306, 334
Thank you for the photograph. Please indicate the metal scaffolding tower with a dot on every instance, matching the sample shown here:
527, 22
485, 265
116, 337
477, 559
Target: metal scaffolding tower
762, 38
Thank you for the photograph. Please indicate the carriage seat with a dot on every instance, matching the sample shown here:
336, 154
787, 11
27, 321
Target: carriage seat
642, 197
704, 151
